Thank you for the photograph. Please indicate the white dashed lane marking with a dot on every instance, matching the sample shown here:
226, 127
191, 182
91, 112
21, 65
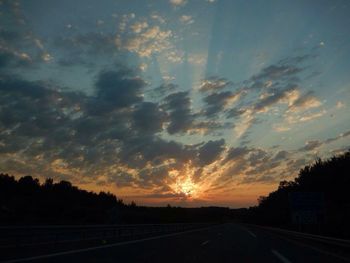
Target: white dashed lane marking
280, 256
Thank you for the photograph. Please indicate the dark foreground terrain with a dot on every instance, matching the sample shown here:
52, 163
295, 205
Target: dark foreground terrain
220, 243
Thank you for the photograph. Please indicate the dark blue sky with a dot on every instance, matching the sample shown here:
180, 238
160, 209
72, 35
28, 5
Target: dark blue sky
203, 102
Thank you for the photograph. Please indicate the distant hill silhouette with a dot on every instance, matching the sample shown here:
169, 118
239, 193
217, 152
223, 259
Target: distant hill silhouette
329, 177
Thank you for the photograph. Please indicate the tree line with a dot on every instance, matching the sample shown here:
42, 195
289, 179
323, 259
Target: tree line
27, 202
330, 177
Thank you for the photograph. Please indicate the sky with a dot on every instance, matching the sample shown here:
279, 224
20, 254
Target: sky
181, 102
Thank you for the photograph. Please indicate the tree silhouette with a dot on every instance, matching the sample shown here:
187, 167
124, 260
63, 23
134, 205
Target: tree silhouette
330, 177
26, 201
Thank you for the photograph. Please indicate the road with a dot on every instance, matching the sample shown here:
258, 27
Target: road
221, 243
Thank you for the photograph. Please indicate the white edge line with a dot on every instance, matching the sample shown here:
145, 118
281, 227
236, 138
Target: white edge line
251, 233
104, 246
313, 248
205, 242
280, 256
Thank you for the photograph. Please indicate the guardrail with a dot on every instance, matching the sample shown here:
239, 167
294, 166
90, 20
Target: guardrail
12, 237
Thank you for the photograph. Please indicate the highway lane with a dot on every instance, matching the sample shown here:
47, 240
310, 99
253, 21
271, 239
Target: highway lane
221, 243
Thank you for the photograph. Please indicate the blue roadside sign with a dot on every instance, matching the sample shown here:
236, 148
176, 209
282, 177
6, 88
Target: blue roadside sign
307, 207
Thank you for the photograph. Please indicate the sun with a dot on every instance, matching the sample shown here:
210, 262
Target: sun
186, 186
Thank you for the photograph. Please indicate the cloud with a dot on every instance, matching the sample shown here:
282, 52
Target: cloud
310, 145
236, 153
148, 117
305, 117
257, 156
142, 37
340, 105
340, 136
214, 83
314, 144
19, 46
217, 101
274, 97
279, 71
163, 89
139, 26
186, 19
210, 151
117, 89
209, 127
246, 120
304, 102
280, 128
180, 114
275, 90
281, 155
177, 3
54, 132
146, 43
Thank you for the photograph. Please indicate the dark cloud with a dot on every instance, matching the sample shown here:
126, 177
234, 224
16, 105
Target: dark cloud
58, 126
210, 151
180, 114
120, 88
163, 90
278, 71
236, 153
257, 157
148, 118
137, 151
235, 112
19, 47
215, 102
31, 109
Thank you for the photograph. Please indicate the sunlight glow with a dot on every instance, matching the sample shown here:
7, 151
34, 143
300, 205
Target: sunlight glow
186, 186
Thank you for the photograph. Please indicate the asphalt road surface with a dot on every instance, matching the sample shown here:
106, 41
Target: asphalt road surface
221, 243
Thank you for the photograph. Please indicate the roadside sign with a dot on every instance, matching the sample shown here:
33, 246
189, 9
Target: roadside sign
307, 207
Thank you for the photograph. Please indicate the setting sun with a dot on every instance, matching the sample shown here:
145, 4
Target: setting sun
186, 187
